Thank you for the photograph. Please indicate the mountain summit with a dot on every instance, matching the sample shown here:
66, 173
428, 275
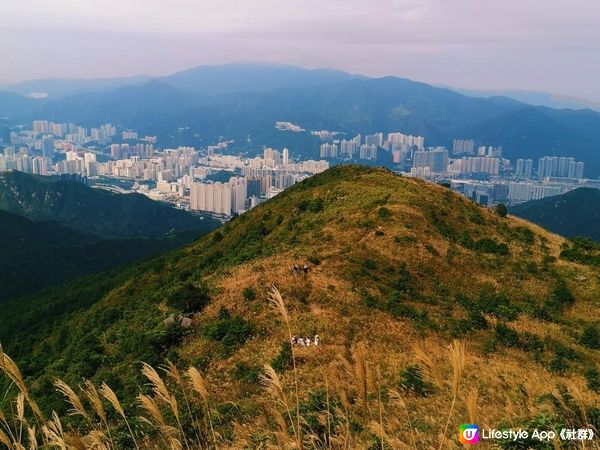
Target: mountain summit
429, 308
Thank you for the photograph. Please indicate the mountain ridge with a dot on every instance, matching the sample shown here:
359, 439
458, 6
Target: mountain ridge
93, 211
576, 213
395, 265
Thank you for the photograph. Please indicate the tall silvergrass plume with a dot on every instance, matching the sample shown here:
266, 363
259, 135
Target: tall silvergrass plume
53, 431
427, 366
358, 371
397, 401
112, 398
173, 372
77, 408
32, 436
162, 393
199, 386
277, 302
472, 398
93, 397
271, 382
457, 358
10, 369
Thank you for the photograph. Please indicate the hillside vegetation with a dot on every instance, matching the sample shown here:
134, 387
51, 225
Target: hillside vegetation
432, 311
36, 255
576, 213
93, 211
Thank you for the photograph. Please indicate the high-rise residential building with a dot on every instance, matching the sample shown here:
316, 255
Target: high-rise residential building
285, 157
374, 139
526, 191
463, 146
48, 146
435, 158
561, 167
115, 151
329, 151
395, 140
524, 168
368, 151
40, 127
219, 198
480, 164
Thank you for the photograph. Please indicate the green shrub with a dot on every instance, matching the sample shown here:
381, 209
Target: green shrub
189, 298
249, 293
590, 337
311, 205
314, 260
488, 245
229, 332
558, 364
559, 298
496, 304
413, 382
283, 360
246, 373
592, 376
506, 335
383, 212
501, 210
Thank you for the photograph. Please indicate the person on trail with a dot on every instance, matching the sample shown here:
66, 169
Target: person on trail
307, 341
305, 268
294, 340
295, 269
301, 342
317, 340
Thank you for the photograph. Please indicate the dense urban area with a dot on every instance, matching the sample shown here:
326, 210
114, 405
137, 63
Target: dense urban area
213, 180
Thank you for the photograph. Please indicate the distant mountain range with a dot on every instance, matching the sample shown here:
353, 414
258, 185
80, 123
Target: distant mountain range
539, 98
242, 102
94, 211
576, 213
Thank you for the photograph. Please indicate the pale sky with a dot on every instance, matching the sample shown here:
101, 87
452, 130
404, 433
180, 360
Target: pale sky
550, 45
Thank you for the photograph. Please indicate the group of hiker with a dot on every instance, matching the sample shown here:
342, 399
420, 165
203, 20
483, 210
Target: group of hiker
296, 269
306, 341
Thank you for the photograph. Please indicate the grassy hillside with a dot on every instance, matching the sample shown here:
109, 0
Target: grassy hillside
576, 213
432, 310
93, 211
35, 255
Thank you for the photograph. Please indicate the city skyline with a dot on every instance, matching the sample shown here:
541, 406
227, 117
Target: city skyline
546, 47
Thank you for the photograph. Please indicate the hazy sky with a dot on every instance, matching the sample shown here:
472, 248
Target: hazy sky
551, 45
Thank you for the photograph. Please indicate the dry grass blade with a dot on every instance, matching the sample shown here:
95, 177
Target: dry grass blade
457, 359
198, 384
9, 367
94, 398
112, 398
276, 300
150, 406
32, 436
20, 407
4, 439
73, 399
472, 398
